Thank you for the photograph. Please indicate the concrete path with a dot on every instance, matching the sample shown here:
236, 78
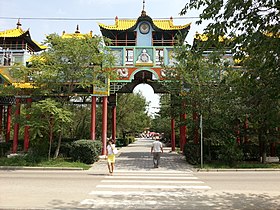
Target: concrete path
137, 156
136, 184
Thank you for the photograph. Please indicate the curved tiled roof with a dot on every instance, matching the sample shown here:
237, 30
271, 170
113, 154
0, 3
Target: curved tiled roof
12, 33
18, 32
75, 35
124, 24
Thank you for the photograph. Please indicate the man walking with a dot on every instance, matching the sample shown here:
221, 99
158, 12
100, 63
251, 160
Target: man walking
156, 150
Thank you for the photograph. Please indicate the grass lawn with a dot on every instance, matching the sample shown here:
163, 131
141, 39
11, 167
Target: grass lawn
241, 165
59, 162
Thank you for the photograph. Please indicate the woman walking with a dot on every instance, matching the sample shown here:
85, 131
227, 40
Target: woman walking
111, 156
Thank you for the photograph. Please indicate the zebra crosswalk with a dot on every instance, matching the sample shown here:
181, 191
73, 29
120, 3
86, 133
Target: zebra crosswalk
143, 189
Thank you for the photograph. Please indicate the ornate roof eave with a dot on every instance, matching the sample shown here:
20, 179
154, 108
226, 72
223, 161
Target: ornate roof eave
130, 25
77, 34
19, 33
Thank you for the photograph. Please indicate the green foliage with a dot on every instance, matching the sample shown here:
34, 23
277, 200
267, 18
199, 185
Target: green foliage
251, 152
192, 153
86, 151
27, 160
131, 139
132, 116
254, 88
230, 152
69, 61
122, 142
55, 118
4, 148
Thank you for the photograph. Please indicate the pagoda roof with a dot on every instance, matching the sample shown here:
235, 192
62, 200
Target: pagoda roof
77, 34
129, 24
19, 33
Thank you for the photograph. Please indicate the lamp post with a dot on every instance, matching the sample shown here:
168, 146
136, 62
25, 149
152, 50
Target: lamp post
201, 142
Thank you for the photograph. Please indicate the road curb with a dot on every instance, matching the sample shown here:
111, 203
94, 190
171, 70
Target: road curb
237, 169
13, 168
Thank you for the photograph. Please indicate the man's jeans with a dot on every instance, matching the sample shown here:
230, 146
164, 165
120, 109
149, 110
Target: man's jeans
156, 159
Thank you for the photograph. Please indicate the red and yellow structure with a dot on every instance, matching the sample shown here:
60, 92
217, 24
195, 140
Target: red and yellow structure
141, 47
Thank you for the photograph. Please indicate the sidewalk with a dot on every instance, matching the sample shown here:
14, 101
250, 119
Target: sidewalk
137, 156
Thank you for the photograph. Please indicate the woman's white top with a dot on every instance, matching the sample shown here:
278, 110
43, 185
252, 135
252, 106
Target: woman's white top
110, 149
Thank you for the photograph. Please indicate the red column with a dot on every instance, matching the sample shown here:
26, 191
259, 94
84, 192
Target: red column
173, 140
114, 122
104, 124
93, 117
26, 128
8, 126
16, 126
1, 119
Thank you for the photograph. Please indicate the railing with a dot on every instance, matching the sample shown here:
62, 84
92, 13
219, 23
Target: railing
143, 56
13, 46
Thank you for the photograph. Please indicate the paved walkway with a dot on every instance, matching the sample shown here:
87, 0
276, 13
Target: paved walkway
137, 156
136, 184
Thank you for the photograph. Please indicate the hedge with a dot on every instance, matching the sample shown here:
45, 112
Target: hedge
86, 151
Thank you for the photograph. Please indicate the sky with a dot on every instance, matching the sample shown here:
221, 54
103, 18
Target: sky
95, 11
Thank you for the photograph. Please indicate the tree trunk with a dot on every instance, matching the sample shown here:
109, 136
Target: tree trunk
58, 145
50, 138
262, 142
50, 145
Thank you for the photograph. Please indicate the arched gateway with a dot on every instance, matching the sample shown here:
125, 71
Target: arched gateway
141, 47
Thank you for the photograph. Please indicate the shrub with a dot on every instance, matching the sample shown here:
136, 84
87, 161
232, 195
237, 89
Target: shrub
86, 151
192, 153
119, 142
251, 152
4, 148
230, 153
131, 139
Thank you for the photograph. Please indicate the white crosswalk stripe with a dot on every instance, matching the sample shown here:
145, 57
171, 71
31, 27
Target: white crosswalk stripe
142, 188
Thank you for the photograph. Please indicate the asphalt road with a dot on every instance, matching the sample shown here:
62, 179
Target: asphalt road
137, 185
141, 189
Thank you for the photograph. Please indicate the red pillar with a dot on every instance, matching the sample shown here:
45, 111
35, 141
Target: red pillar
8, 125
173, 140
26, 128
1, 119
104, 124
93, 117
114, 122
16, 126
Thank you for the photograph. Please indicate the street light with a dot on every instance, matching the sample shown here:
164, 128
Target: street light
201, 142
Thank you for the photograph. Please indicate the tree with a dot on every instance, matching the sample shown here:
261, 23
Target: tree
69, 65
68, 69
48, 119
132, 115
255, 27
